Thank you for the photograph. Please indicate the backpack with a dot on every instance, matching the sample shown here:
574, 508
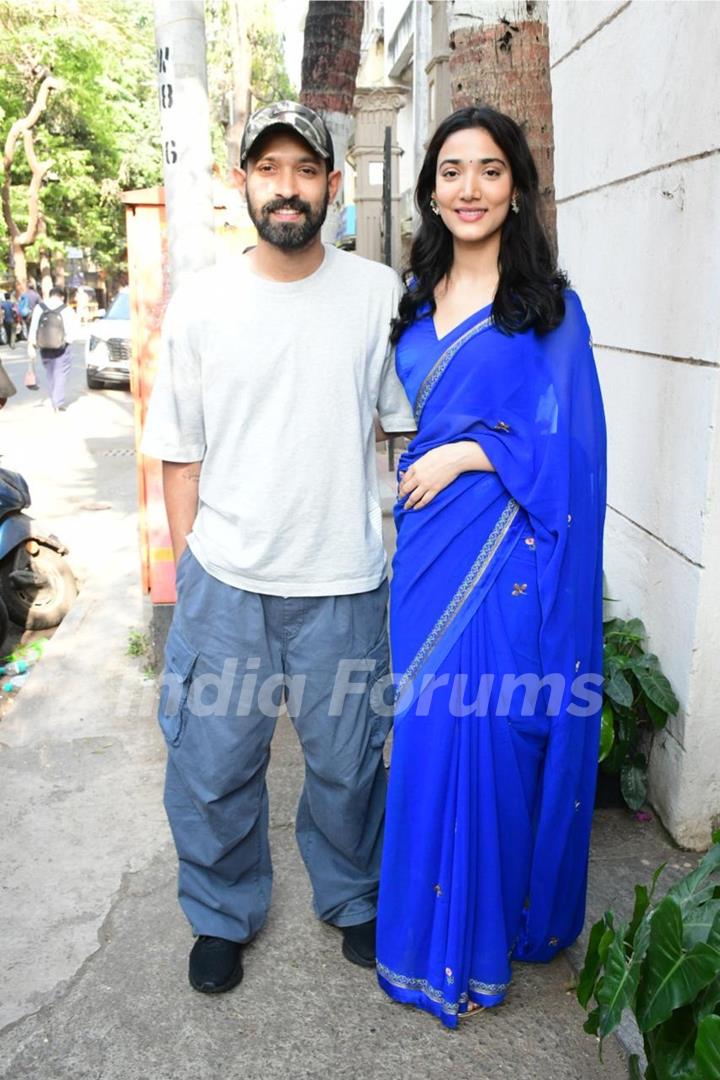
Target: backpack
50, 333
24, 305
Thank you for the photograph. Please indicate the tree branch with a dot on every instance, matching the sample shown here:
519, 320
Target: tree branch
24, 127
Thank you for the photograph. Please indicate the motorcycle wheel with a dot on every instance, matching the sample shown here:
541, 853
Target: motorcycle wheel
4, 623
38, 607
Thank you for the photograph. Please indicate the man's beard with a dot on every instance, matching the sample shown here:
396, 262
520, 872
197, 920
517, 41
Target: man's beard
288, 235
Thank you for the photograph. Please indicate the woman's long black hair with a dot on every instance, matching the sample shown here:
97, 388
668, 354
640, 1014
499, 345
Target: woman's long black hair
529, 292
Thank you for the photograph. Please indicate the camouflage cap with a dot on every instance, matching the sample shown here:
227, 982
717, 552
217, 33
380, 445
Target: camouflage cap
309, 124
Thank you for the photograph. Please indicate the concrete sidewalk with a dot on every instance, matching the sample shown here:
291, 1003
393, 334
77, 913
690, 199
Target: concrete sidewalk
95, 947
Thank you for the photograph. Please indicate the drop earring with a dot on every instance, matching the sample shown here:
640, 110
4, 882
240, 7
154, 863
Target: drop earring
514, 205
434, 206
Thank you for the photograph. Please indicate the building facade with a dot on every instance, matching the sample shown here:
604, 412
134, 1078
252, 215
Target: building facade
637, 179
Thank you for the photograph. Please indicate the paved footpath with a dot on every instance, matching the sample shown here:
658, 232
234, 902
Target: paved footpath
94, 947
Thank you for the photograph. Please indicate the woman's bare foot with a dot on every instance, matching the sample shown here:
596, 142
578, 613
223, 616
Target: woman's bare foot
472, 1007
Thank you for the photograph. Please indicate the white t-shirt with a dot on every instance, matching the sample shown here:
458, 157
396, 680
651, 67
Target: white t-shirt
69, 318
274, 385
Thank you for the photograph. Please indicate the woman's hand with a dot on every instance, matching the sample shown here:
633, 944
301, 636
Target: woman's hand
437, 469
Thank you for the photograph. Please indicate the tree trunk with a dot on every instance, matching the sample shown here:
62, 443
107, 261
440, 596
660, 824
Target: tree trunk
241, 65
331, 57
22, 238
499, 56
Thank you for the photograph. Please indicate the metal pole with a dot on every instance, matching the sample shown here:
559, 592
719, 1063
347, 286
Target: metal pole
185, 125
387, 242
387, 197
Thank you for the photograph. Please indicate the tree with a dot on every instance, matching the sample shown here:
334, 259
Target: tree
246, 67
331, 57
499, 56
101, 133
20, 239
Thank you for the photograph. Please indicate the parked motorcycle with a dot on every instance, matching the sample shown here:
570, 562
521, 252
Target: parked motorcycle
37, 585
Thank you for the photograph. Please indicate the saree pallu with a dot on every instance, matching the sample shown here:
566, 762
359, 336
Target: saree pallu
497, 586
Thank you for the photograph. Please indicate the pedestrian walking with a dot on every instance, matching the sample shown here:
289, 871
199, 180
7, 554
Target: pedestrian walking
496, 608
27, 301
263, 415
53, 328
8, 320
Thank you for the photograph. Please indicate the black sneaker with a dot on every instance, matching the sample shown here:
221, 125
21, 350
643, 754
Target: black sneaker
359, 943
215, 965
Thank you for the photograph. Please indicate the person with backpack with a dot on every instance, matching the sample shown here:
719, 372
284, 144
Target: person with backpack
27, 303
8, 320
53, 327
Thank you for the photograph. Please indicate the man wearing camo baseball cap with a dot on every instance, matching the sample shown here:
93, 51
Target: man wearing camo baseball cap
263, 416
290, 114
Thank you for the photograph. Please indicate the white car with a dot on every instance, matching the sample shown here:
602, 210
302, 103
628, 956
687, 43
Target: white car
108, 347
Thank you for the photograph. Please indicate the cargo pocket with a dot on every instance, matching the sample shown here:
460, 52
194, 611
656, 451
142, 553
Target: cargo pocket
177, 675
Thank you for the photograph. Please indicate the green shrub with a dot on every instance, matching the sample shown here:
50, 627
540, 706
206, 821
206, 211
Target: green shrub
663, 965
637, 699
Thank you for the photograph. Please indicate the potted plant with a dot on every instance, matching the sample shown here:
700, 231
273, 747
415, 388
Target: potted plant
637, 701
664, 966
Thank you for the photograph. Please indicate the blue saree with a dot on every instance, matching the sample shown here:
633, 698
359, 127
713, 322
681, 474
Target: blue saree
497, 586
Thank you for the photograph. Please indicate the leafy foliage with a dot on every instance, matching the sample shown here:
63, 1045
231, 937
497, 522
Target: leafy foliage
638, 701
101, 131
268, 76
664, 966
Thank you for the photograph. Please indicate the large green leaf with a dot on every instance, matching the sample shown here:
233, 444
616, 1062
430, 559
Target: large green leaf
612, 661
614, 630
607, 731
588, 975
698, 923
708, 1001
658, 717
642, 938
618, 689
657, 688
634, 1067
633, 782
689, 887
646, 660
635, 628
707, 1048
616, 990
592, 1023
672, 975
642, 901
627, 727
672, 1047
656, 878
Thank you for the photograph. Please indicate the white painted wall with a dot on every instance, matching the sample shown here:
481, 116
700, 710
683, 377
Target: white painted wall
637, 174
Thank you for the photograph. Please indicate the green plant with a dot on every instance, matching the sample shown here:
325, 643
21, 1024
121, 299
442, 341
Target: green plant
138, 643
663, 965
638, 699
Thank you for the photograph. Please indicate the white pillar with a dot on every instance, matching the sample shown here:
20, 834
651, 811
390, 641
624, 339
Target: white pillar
185, 125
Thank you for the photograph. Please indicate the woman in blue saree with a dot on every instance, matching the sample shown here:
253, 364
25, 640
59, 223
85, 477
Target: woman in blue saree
496, 604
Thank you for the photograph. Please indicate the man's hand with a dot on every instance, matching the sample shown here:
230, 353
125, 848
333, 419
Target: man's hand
435, 470
180, 488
